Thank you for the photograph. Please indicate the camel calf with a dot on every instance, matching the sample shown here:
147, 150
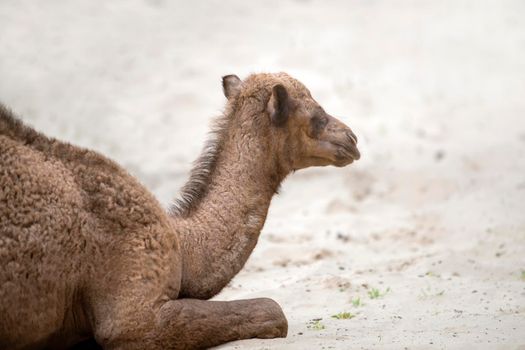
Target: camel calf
87, 251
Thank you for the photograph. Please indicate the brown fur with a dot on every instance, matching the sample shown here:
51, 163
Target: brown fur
87, 251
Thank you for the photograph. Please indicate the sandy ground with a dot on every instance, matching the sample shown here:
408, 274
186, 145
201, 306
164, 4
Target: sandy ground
433, 216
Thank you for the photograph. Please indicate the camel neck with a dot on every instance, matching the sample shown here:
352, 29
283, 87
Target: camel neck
219, 234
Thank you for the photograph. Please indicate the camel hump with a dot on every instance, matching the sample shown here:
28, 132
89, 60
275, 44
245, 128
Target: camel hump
14, 128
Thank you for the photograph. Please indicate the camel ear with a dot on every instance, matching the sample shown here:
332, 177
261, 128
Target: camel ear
279, 105
231, 85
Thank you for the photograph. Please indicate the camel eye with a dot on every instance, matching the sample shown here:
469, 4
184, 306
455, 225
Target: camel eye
317, 124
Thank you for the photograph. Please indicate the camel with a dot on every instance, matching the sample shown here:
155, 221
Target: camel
87, 252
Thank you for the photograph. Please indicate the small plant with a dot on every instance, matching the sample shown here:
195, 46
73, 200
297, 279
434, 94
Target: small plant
523, 275
375, 293
430, 293
343, 316
316, 324
356, 302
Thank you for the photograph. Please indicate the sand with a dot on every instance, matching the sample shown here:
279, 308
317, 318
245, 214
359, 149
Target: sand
431, 220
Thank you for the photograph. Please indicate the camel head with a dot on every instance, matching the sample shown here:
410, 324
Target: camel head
299, 132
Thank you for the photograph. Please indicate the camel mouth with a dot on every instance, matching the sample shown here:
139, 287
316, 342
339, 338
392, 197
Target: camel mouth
346, 153
346, 148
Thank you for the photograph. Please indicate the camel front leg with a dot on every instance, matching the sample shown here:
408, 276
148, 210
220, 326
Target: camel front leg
197, 324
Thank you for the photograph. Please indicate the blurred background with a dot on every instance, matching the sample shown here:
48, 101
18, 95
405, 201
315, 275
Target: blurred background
422, 241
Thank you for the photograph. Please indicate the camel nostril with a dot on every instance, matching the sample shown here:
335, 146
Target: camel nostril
352, 136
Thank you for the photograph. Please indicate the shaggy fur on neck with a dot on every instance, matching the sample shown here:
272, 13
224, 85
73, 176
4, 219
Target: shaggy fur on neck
252, 100
201, 174
197, 186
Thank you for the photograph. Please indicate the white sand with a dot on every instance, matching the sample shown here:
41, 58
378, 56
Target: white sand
435, 91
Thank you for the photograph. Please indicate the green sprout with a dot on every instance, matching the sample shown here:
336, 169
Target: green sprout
316, 324
375, 293
356, 302
430, 292
343, 316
